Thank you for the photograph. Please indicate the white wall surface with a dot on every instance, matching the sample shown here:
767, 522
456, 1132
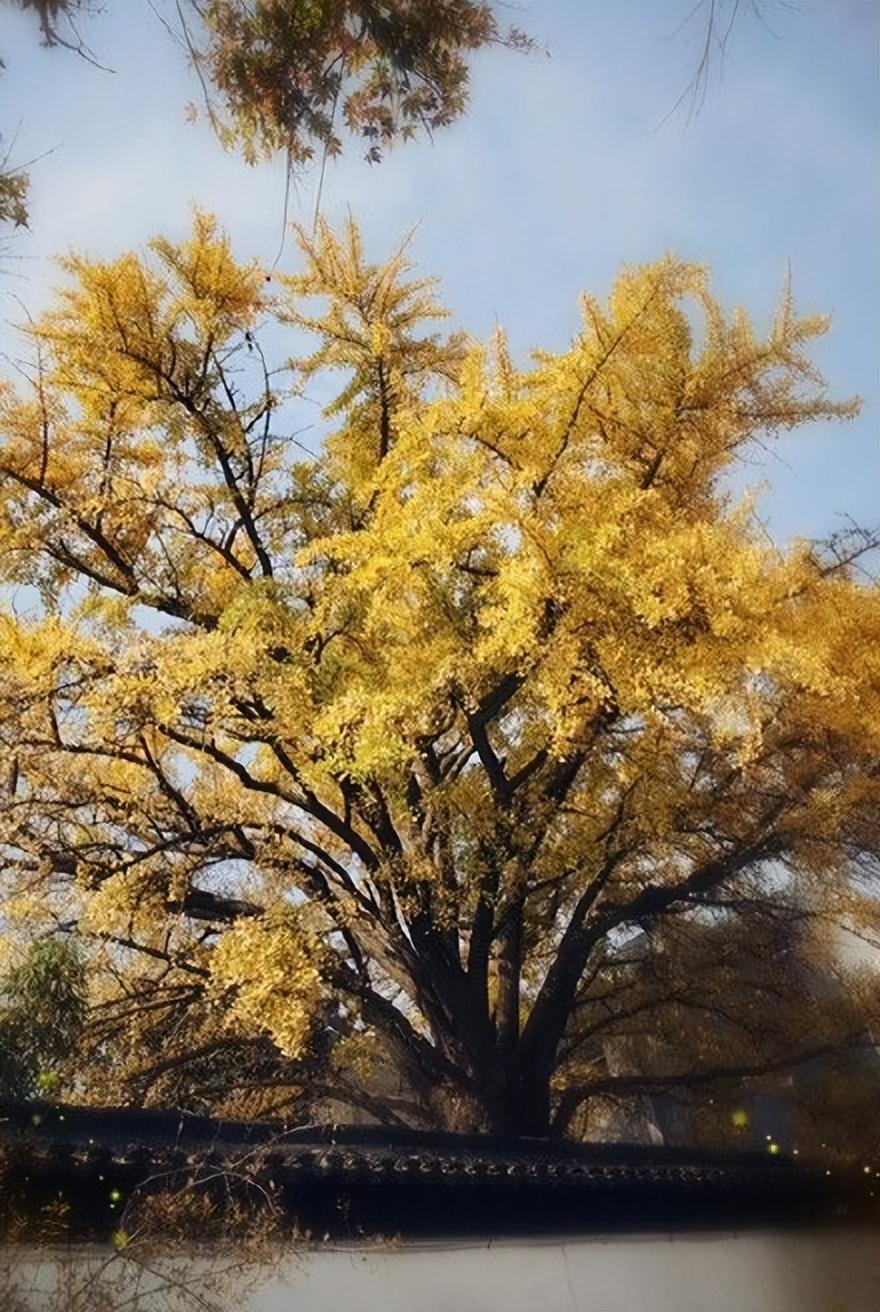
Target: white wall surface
750, 1273
754, 1272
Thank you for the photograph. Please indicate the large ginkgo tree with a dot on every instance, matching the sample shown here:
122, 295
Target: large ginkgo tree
413, 771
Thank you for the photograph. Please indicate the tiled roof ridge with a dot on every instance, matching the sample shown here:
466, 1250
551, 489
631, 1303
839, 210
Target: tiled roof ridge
369, 1180
47, 1130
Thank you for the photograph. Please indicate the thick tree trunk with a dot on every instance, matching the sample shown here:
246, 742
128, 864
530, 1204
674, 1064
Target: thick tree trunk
520, 1107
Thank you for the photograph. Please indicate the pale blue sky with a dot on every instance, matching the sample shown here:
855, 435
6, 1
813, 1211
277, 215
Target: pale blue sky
560, 173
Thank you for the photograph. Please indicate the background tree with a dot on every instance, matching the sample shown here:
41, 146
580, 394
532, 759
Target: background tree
13, 195
42, 1008
379, 760
289, 74
281, 71
744, 994
715, 22
57, 20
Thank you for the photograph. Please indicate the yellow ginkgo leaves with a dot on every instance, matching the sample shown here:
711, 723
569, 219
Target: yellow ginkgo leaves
408, 737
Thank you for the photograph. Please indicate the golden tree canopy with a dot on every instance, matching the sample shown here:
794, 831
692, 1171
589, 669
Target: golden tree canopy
378, 758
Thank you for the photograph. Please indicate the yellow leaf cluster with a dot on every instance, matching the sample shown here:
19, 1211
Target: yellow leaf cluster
273, 967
